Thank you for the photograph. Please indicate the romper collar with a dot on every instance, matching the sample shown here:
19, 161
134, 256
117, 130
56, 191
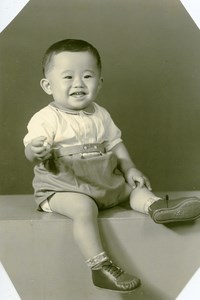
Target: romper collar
89, 110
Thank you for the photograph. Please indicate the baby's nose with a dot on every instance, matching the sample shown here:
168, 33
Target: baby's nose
78, 82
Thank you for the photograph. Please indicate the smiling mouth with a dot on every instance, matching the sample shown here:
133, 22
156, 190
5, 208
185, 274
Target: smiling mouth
78, 94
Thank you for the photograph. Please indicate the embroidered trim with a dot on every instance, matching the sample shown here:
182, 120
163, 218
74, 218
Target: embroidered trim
96, 260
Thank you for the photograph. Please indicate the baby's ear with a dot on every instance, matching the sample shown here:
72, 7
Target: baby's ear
100, 83
46, 86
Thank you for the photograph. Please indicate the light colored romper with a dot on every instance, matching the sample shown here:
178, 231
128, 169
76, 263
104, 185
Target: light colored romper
82, 159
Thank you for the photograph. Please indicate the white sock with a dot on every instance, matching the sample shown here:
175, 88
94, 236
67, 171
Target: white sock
97, 260
141, 199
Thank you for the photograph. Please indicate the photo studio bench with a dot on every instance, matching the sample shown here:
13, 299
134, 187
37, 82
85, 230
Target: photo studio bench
40, 256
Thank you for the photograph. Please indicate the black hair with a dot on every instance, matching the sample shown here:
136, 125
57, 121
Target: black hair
71, 45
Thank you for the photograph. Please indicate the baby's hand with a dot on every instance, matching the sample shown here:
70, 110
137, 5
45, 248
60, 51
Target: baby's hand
135, 177
40, 148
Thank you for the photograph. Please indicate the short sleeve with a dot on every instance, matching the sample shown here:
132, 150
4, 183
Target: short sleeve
41, 124
112, 132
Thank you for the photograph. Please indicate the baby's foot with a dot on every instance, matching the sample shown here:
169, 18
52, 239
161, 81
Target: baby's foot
111, 277
175, 210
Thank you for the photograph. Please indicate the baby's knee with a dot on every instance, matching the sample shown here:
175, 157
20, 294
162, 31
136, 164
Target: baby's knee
88, 208
73, 205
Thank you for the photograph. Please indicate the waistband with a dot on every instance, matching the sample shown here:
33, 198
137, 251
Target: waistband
83, 150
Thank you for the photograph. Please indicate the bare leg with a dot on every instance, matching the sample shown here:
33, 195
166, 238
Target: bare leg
83, 211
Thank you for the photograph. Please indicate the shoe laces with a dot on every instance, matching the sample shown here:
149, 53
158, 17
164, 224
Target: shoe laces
114, 270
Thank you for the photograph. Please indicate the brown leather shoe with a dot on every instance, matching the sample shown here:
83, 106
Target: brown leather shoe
111, 277
175, 210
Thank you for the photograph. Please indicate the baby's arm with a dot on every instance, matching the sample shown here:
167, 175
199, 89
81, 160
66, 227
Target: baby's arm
38, 150
128, 168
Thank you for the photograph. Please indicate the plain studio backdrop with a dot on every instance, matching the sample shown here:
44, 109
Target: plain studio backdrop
151, 68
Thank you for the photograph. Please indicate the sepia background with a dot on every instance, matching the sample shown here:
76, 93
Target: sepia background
151, 68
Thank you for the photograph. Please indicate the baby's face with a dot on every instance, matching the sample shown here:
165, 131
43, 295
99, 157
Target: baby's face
74, 79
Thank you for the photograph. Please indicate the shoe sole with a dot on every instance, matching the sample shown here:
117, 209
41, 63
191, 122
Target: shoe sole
117, 291
186, 211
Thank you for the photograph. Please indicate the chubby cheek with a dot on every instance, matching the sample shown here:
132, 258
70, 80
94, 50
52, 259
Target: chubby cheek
94, 89
63, 91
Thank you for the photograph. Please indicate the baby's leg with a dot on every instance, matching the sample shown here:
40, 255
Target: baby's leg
165, 210
83, 211
141, 199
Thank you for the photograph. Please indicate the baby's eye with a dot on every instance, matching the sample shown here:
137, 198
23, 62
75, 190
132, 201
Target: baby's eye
88, 76
68, 77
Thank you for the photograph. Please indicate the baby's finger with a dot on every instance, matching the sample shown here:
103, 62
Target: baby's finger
141, 181
133, 185
45, 144
38, 141
131, 182
147, 183
38, 150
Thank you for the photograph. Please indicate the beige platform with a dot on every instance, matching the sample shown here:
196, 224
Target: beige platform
39, 254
